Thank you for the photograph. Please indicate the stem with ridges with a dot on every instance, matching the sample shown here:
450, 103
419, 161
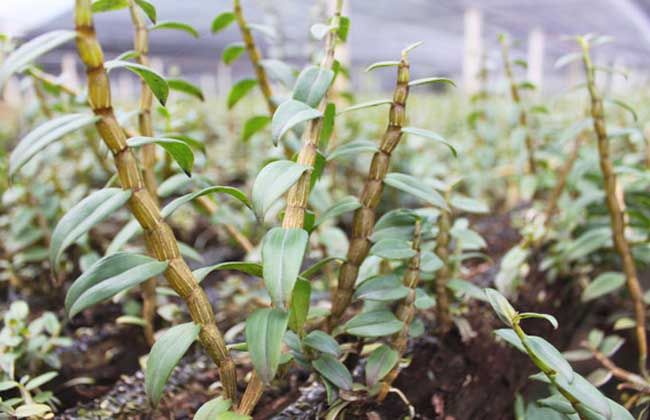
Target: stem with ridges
616, 214
160, 240
364, 217
443, 317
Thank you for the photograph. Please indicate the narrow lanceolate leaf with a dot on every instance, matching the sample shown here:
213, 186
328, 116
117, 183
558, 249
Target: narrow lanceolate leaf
501, 306
289, 114
319, 30
429, 135
212, 409
266, 30
327, 126
550, 318
282, 254
222, 21
123, 236
164, 356
310, 272
280, 71
170, 208
334, 371
178, 149
470, 205
82, 217
353, 148
548, 356
416, 187
312, 84
239, 90
322, 342
32, 410
232, 52
384, 288
604, 284
153, 79
299, 308
392, 249
265, 329
342, 206
428, 80
272, 182
44, 135
625, 106
104, 268
40, 380
254, 269
380, 362
377, 323
148, 9
364, 105
96, 286
100, 6
178, 26
184, 86
31, 50
567, 59
381, 64
254, 125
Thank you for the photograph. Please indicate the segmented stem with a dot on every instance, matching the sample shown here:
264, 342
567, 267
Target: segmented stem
364, 217
160, 240
562, 177
616, 213
405, 310
516, 98
443, 317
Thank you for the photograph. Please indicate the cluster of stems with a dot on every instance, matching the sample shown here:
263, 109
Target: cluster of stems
364, 217
405, 310
516, 98
615, 208
443, 275
145, 127
159, 237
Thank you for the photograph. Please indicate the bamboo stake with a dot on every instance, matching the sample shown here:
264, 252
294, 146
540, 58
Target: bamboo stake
364, 217
405, 311
145, 127
616, 213
516, 98
159, 237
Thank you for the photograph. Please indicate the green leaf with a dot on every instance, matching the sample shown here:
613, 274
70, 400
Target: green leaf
381, 361
222, 21
32, 410
31, 50
604, 284
148, 9
165, 355
567, 59
364, 105
429, 135
253, 125
343, 29
625, 106
511, 338
212, 409
40, 380
465, 288
353, 148
100, 6
377, 323
178, 149
428, 80
299, 308
392, 249
344, 205
280, 71
558, 403
334, 371
549, 357
154, 80
170, 208
610, 345
411, 47
254, 269
178, 26
327, 125
282, 254
590, 398
501, 306
239, 90
382, 288
550, 318
264, 332
319, 30
468, 204
184, 86
232, 52
322, 342
272, 182
312, 85
107, 267
414, 186
289, 114
266, 30
82, 217
381, 64
44, 135
315, 268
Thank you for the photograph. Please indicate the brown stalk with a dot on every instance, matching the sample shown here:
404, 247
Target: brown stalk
443, 316
160, 240
636, 381
297, 196
516, 98
364, 217
145, 127
616, 213
405, 311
